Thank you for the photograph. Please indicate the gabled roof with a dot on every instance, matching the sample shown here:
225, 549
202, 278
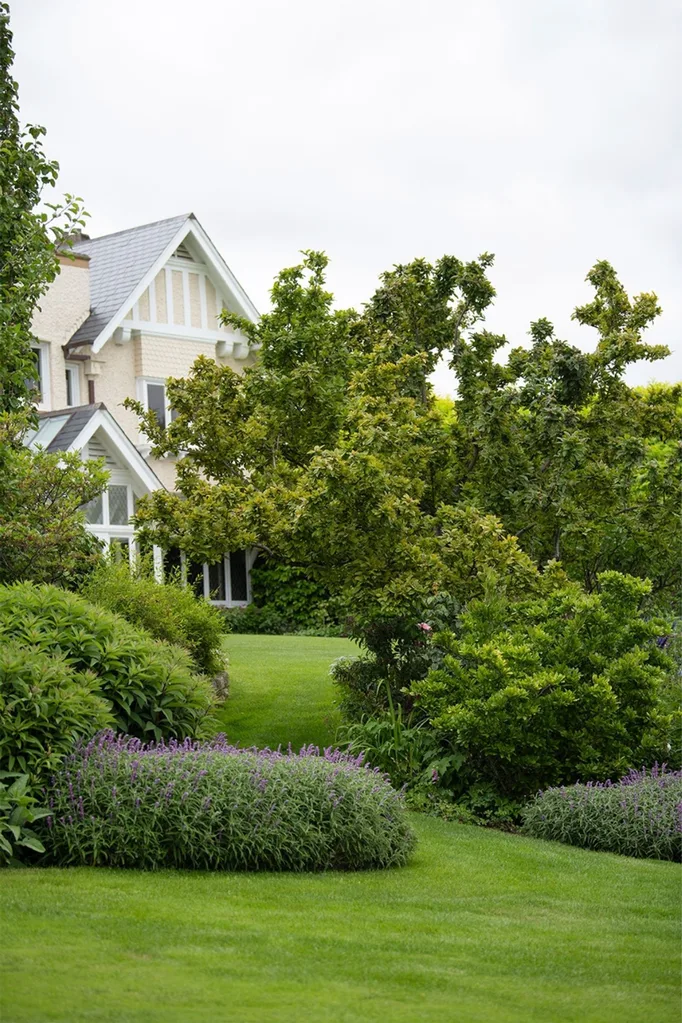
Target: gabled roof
70, 429
122, 265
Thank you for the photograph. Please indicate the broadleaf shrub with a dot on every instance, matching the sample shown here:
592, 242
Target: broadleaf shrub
45, 706
121, 803
151, 685
551, 690
254, 620
288, 593
168, 611
17, 810
640, 815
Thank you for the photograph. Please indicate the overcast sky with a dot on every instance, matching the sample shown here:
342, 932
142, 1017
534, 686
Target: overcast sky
545, 131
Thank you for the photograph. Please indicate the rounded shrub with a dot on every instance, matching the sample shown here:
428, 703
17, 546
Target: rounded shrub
45, 706
150, 685
121, 803
168, 611
640, 815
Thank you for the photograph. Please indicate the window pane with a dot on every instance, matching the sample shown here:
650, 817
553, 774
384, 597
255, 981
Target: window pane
93, 511
35, 382
156, 401
195, 577
172, 563
118, 506
216, 581
238, 576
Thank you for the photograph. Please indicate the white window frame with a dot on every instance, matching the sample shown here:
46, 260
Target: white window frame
105, 530
72, 370
43, 350
143, 397
228, 602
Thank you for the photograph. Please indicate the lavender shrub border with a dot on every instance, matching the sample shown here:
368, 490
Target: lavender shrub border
210, 805
640, 815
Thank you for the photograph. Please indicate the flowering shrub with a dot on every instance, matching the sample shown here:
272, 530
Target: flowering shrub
641, 815
122, 803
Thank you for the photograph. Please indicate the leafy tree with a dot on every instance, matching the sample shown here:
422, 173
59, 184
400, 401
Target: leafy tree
344, 469
579, 466
30, 234
42, 535
333, 456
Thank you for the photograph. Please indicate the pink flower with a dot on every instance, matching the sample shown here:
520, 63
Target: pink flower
424, 626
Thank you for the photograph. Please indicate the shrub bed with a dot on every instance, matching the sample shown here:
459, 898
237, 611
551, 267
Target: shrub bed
167, 610
121, 803
641, 815
151, 685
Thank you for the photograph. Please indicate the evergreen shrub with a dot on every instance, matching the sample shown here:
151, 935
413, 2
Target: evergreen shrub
45, 706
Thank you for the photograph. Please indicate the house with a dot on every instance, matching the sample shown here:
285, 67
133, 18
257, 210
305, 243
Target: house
127, 311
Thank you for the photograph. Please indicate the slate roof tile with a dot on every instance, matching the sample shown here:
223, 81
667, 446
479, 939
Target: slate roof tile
118, 262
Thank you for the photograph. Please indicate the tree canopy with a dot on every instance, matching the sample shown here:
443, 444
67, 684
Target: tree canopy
333, 454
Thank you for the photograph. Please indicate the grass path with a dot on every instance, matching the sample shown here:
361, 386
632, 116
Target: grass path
280, 690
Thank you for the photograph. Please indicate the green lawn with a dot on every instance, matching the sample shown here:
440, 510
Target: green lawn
280, 690
481, 926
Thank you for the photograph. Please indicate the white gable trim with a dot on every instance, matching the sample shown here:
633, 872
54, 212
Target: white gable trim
215, 264
144, 477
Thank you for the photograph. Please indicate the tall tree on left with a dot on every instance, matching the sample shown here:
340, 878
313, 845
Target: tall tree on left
32, 232
42, 531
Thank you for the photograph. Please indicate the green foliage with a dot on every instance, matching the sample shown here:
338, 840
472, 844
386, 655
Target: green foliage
150, 684
17, 810
42, 532
581, 467
215, 807
255, 620
389, 499
45, 706
169, 611
328, 454
551, 689
639, 816
30, 233
333, 456
288, 592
